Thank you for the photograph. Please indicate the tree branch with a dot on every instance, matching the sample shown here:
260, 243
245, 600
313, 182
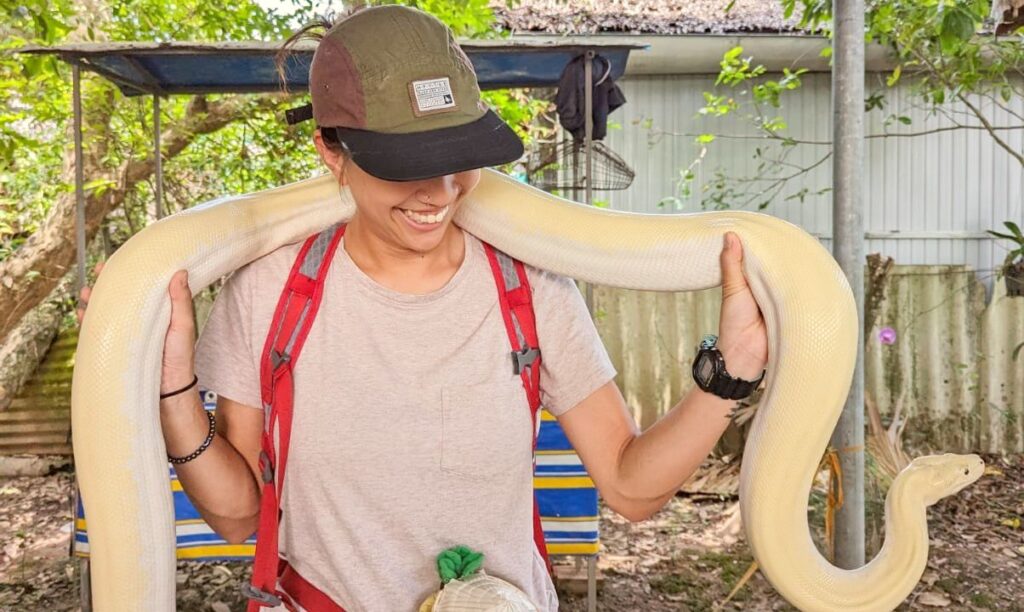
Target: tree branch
31, 272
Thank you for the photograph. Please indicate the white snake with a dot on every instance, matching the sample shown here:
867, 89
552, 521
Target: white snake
803, 295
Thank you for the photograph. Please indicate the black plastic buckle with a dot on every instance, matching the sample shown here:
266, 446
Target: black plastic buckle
298, 114
267, 470
523, 358
261, 596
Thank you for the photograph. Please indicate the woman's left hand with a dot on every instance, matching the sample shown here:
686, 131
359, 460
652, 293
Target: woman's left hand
742, 335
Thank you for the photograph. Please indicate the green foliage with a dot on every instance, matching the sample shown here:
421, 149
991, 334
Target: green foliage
940, 50
466, 18
936, 41
1014, 236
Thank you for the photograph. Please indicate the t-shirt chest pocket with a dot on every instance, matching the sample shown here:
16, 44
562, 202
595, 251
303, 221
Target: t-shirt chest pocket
486, 429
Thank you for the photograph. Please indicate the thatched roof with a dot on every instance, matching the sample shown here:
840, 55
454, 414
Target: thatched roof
643, 16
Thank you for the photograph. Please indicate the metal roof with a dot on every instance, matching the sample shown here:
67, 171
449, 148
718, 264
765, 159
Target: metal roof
248, 67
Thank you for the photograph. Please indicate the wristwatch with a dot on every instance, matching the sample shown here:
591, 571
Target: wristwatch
710, 374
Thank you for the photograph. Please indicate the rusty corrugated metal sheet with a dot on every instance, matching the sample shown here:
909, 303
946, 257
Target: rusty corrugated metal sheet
38, 421
949, 368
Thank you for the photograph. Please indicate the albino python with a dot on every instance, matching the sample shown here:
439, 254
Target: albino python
804, 296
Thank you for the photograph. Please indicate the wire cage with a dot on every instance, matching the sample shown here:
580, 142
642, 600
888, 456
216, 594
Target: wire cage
564, 166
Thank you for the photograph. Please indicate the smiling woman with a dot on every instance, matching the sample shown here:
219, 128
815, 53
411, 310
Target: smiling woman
385, 346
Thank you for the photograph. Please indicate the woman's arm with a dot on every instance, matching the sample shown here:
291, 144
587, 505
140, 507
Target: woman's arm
222, 482
638, 473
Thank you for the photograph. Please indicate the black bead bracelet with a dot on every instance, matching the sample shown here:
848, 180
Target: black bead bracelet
202, 447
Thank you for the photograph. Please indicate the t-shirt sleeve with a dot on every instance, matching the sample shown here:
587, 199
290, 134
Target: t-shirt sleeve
574, 361
226, 360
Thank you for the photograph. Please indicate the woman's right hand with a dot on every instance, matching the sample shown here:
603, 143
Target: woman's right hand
178, 364
180, 342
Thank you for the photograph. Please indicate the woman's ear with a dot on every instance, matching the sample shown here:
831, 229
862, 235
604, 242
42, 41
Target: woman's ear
334, 159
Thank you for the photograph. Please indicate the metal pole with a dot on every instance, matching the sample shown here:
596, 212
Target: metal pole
848, 249
85, 591
588, 109
159, 158
76, 78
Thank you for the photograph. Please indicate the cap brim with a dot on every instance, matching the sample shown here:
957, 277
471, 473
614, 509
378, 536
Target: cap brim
488, 141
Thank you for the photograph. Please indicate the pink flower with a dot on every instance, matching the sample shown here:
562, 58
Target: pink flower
887, 335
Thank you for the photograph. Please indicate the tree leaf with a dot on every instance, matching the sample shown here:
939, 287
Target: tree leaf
895, 76
933, 599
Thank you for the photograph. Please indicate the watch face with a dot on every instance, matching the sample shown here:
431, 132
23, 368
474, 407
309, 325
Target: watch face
705, 367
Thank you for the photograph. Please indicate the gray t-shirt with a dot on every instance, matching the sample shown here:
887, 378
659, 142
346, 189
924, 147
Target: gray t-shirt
411, 434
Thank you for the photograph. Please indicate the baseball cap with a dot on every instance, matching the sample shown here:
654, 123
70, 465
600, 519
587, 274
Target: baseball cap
394, 86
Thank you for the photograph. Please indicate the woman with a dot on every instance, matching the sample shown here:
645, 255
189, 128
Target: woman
411, 434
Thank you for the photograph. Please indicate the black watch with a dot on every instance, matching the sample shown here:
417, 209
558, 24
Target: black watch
710, 374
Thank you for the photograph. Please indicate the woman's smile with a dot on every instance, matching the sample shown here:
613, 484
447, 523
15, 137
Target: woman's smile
424, 220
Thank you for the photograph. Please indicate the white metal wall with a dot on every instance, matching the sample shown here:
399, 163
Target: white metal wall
928, 199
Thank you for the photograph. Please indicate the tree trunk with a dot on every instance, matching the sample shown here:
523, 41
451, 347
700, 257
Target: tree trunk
32, 272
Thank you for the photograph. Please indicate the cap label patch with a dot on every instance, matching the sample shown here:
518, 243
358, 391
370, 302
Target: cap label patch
432, 96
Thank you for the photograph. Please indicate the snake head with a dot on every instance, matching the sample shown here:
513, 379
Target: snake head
944, 475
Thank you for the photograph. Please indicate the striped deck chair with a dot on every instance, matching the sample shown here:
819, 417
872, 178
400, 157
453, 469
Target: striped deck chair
565, 494
195, 539
567, 501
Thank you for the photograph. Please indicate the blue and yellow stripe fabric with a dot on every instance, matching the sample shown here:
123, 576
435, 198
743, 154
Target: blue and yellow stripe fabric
565, 495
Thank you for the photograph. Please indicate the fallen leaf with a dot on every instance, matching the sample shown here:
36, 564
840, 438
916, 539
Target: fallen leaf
934, 599
929, 577
220, 606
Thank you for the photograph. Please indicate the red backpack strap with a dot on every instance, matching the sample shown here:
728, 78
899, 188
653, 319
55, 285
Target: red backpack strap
516, 300
293, 318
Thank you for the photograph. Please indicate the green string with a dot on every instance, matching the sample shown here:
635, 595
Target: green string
457, 563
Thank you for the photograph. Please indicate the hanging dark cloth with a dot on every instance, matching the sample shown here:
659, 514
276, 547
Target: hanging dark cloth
571, 102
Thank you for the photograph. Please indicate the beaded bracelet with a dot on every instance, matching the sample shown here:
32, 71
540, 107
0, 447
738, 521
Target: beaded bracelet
202, 447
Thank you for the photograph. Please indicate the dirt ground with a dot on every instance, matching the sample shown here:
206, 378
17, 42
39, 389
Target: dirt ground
688, 557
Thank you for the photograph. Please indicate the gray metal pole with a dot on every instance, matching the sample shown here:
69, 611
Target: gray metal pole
85, 592
848, 249
158, 157
588, 109
76, 78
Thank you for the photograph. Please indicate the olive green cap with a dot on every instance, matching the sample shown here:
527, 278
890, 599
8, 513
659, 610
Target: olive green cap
400, 93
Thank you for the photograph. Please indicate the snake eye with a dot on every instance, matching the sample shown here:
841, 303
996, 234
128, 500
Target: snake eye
967, 471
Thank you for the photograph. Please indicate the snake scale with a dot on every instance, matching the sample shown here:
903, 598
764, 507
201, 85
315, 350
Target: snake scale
806, 301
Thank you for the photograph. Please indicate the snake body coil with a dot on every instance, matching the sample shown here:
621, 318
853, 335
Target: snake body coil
804, 296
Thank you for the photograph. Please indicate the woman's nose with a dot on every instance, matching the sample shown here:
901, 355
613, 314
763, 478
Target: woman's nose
439, 191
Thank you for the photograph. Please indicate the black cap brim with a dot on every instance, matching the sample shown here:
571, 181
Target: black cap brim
488, 141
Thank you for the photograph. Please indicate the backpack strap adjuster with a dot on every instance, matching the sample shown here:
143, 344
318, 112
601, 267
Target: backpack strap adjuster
522, 359
277, 358
266, 469
260, 595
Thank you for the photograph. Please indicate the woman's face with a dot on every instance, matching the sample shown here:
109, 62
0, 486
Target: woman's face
412, 215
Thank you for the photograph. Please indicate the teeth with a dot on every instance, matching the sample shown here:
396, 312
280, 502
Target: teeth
426, 219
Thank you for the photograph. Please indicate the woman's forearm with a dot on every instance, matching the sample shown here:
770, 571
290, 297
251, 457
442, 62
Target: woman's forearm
655, 464
219, 482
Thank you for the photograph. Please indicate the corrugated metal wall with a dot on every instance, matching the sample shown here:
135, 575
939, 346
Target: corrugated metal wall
928, 199
950, 367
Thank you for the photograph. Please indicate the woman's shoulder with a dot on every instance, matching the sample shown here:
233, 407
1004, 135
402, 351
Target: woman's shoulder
542, 282
268, 268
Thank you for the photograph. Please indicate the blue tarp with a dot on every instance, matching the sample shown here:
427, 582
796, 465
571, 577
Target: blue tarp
180, 67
